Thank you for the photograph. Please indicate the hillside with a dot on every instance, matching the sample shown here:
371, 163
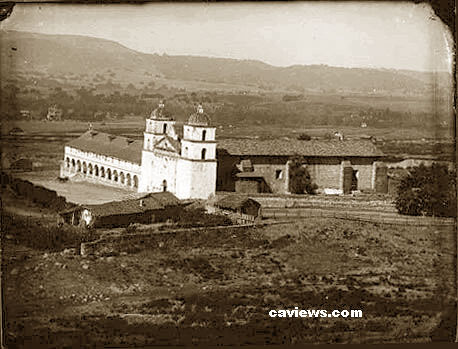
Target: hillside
57, 55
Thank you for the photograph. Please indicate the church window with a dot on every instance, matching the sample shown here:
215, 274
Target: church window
204, 151
68, 162
135, 181
165, 128
204, 134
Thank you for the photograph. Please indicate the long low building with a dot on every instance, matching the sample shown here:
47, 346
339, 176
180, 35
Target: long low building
335, 166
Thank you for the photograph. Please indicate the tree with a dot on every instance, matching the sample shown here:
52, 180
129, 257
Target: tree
300, 181
429, 191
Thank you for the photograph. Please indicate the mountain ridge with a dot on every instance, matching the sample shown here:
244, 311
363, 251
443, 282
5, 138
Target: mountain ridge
79, 54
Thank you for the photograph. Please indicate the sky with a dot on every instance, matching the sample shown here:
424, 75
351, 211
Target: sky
394, 35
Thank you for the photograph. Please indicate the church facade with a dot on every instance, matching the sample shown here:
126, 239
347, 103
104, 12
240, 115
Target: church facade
163, 161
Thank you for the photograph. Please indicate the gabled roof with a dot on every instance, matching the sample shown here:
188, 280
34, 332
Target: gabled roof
151, 201
234, 202
290, 147
109, 145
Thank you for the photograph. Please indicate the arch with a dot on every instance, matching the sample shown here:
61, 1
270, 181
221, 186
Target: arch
135, 181
204, 134
90, 169
96, 170
164, 128
109, 174
84, 167
204, 153
122, 177
78, 166
73, 163
128, 180
67, 162
115, 175
164, 185
102, 172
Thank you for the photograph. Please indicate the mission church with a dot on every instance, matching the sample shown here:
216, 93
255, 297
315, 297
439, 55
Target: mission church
186, 162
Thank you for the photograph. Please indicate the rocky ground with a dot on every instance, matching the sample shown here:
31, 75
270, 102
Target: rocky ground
218, 287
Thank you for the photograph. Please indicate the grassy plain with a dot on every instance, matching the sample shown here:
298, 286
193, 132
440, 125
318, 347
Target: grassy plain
217, 288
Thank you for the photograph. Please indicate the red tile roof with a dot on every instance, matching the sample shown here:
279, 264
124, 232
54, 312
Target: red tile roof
109, 145
289, 147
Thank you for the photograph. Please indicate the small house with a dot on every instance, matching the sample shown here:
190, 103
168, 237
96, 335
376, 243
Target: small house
151, 208
240, 207
23, 165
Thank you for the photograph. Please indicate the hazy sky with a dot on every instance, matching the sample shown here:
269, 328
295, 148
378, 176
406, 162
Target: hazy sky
351, 34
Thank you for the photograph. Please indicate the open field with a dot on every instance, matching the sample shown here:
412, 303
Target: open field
217, 288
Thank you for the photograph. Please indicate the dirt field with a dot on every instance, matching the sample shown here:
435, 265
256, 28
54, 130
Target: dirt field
218, 287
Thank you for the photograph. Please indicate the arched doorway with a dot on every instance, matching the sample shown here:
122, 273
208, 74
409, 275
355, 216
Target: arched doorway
129, 180
102, 172
121, 177
96, 170
109, 174
78, 166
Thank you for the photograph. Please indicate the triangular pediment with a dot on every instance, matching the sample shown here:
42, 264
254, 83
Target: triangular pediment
167, 144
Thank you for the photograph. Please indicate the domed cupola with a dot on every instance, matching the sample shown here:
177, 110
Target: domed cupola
161, 112
199, 118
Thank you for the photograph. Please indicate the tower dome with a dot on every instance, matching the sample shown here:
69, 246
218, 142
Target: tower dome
161, 112
199, 118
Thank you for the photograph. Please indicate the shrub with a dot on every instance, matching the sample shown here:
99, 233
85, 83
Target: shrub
300, 181
429, 191
44, 236
304, 137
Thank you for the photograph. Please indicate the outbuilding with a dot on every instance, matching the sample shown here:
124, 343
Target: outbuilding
245, 207
151, 208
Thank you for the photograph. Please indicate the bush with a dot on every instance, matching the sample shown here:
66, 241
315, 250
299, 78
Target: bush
44, 236
300, 181
304, 137
429, 191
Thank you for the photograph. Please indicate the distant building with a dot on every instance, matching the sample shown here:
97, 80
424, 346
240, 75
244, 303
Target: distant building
54, 113
25, 114
23, 165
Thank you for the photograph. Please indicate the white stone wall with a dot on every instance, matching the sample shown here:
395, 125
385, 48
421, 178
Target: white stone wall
196, 179
193, 150
100, 168
196, 133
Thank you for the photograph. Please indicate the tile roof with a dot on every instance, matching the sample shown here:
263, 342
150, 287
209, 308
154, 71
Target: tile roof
151, 201
289, 147
234, 201
110, 145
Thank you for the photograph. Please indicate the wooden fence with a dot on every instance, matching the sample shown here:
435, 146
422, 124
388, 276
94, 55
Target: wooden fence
372, 217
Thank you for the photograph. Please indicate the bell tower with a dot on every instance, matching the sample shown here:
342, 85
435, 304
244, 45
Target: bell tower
198, 157
159, 125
